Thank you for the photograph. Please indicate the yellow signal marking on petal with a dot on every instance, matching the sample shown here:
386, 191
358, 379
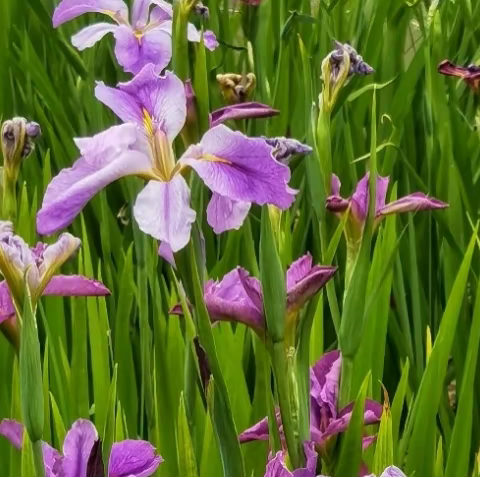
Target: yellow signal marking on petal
148, 122
214, 159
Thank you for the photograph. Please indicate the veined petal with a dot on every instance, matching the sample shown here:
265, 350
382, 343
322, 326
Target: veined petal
235, 298
276, 465
75, 286
259, 431
53, 461
224, 214
70, 191
412, 202
13, 432
77, 447
162, 12
7, 308
69, 9
298, 270
88, 36
241, 168
124, 105
161, 97
162, 209
241, 111
134, 52
140, 13
133, 458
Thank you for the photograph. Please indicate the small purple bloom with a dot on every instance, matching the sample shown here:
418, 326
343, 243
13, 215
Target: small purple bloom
276, 464
38, 265
470, 74
238, 297
127, 457
325, 418
358, 202
235, 167
147, 38
241, 111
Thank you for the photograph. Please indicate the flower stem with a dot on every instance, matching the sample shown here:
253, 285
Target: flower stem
281, 379
38, 458
9, 206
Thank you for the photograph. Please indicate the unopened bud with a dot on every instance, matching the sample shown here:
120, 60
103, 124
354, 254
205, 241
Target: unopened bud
285, 148
236, 88
201, 10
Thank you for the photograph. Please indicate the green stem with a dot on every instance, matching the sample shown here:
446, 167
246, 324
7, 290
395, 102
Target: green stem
325, 148
38, 458
9, 197
281, 379
345, 381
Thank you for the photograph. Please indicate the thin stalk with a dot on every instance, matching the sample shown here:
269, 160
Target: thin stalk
38, 458
9, 197
281, 379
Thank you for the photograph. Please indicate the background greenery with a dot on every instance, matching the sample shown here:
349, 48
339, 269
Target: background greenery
123, 361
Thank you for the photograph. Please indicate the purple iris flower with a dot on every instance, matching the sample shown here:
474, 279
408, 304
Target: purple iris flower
238, 297
358, 203
276, 465
325, 418
147, 38
238, 169
127, 457
38, 265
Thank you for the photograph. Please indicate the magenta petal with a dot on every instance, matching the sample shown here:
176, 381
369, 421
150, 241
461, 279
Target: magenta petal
224, 214
241, 168
77, 447
162, 97
234, 298
276, 465
75, 286
412, 202
336, 185
7, 308
13, 432
259, 431
162, 210
88, 36
69, 9
134, 53
53, 461
241, 111
133, 458
360, 197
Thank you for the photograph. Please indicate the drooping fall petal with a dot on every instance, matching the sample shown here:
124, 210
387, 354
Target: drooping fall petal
224, 214
133, 458
88, 36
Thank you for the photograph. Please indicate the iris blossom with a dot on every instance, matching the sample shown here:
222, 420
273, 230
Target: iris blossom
238, 297
127, 457
326, 420
236, 168
358, 204
470, 74
147, 38
38, 266
276, 465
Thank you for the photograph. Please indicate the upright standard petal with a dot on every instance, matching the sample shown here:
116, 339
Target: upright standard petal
136, 50
241, 111
69, 9
75, 286
72, 188
88, 36
162, 210
77, 447
410, 203
162, 12
237, 297
360, 198
224, 214
133, 458
13, 432
241, 168
140, 13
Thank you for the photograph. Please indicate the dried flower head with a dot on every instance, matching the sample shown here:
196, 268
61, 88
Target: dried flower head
236, 88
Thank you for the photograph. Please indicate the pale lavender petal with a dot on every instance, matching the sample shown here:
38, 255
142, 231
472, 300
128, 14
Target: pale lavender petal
77, 447
165, 252
163, 97
241, 111
135, 51
56, 254
75, 286
7, 309
410, 203
70, 191
140, 11
235, 298
224, 214
133, 458
392, 471
162, 12
276, 465
88, 36
209, 38
13, 432
69, 9
241, 168
162, 209
53, 461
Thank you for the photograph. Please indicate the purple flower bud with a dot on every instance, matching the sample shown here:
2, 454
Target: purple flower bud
33, 129
285, 148
357, 65
201, 10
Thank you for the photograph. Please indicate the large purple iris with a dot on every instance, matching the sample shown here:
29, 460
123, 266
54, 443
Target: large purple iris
147, 38
238, 169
